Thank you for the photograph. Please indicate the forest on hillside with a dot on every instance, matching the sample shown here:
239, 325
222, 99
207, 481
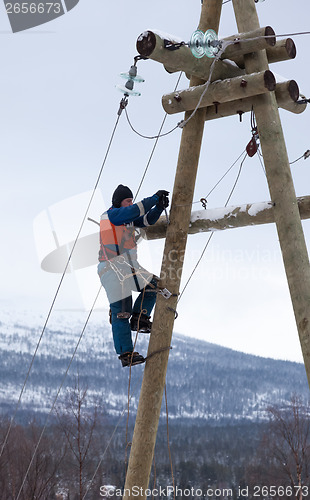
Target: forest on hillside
83, 454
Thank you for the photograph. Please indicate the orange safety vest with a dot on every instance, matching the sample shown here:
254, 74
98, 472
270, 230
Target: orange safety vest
114, 240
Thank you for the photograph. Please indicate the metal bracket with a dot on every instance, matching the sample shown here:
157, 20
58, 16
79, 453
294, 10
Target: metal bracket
173, 46
165, 293
123, 315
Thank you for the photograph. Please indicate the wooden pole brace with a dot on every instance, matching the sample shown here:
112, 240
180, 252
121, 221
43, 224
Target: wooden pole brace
234, 96
283, 50
152, 45
219, 219
245, 43
219, 92
286, 94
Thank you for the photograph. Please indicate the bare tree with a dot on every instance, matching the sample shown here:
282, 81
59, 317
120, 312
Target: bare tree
40, 481
280, 468
78, 422
291, 442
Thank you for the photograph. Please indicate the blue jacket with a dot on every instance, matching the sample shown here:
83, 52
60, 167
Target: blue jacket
117, 227
140, 214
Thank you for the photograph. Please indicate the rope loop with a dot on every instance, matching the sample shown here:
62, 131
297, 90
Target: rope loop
163, 349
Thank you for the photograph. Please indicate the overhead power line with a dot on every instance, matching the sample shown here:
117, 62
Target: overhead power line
156, 142
59, 286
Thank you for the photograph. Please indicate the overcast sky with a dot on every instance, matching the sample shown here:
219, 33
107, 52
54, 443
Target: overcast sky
58, 109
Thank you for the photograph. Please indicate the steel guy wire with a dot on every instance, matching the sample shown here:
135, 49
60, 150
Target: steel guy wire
304, 156
84, 218
59, 286
260, 156
223, 176
211, 235
83, 330
57, 394
219, 181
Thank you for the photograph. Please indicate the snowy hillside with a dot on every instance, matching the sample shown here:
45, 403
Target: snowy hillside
204, 381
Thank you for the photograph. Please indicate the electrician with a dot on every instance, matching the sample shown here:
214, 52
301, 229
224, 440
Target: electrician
119, 270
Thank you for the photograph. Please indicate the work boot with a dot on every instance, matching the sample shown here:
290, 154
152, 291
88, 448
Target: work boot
140, 322
130, 359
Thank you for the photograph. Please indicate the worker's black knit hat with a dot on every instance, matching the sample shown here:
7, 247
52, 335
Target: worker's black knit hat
120, 194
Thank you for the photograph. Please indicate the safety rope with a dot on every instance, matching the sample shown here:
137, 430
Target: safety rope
142, 311
154, 482
168, 442
162, 349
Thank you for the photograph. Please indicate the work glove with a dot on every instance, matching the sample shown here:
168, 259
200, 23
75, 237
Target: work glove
163, 201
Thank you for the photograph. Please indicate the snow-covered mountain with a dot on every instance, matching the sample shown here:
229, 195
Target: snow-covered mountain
204, 381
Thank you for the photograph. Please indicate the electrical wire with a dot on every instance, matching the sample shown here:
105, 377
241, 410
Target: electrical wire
147, 136
207, 84
223, 176
237, 178
83, 330
304, 156
79, 232
211, 235
155, 144
57, 395
59, 286
260, 156
225, 44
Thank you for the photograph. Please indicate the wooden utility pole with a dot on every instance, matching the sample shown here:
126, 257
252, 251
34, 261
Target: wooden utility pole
283, 198
281, 187
144, 437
